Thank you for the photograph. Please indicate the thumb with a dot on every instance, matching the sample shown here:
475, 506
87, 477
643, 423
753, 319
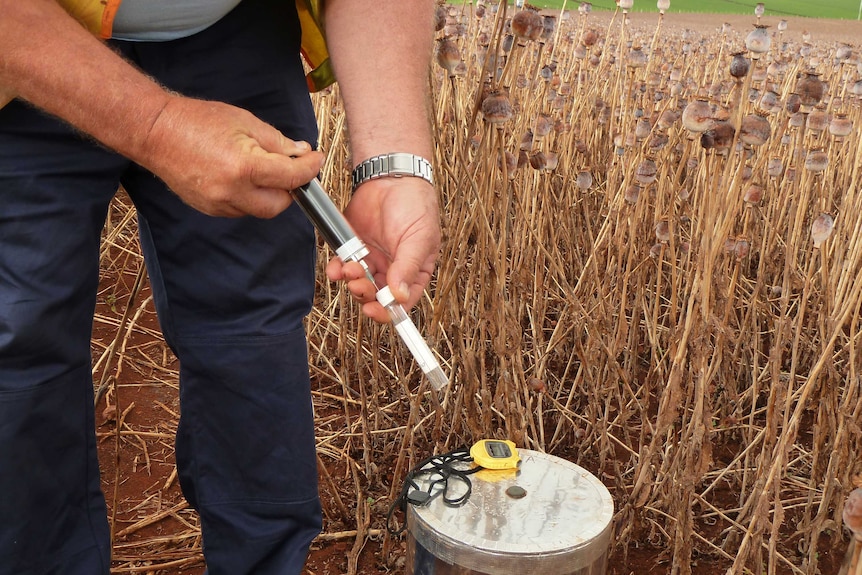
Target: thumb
273, 141
406, 276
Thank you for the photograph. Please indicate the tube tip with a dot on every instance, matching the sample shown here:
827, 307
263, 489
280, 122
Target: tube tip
437, 378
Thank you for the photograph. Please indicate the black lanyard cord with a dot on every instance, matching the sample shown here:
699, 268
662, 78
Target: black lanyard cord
440, 469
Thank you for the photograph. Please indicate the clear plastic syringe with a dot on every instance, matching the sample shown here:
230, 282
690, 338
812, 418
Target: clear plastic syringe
337, 233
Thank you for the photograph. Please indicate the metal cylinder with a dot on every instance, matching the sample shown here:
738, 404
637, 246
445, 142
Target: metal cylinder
549, 516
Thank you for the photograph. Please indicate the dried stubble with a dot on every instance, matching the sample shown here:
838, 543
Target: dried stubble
690, 337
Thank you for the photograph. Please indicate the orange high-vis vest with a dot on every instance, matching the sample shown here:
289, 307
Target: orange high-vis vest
98, 17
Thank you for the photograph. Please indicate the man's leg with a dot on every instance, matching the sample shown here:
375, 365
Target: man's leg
54, 192
231, 296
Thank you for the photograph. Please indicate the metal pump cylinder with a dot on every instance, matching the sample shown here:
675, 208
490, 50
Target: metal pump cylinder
548, 517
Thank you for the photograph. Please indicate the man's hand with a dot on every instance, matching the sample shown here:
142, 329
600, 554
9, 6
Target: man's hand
217, 158
223, 161
382, 68
399, 221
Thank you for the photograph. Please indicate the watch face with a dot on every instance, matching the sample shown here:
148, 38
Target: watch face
498, 449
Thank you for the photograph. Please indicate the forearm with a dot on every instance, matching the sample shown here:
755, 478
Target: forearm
381, 52
49, 60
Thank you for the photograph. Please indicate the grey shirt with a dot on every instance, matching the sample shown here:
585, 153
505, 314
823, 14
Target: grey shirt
161, 20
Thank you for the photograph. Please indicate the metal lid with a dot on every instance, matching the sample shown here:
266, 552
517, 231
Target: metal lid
550, 516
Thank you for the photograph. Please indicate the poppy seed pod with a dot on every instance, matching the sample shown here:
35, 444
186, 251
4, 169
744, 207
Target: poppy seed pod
840, 126
496, 107
584, 180
817, 121
448, 55
810, 89
755, 130
697, 116
775, 70
440, 18
561, 126
667, 119
739, 65
821, 229
511, 164
759, 9
527, 24
775, 167
662, 5
658, 141
625, 4
843, 52
580, 52
642, 128
758, 40
549, 24
526, 140
718, 137
646, 172
769, 102
632, 193
793, 102
816, 161
636, 58
753, 194
506, 44
538, 161
542, 126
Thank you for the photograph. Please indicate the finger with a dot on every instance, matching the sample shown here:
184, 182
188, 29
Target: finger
274, 170
335, 269
376, 312
272, 140
355, 271
362, 290
263, 203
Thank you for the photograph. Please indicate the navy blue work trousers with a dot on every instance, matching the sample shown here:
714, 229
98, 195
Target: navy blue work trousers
231, 295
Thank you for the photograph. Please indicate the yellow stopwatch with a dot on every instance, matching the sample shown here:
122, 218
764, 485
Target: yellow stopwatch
495, 454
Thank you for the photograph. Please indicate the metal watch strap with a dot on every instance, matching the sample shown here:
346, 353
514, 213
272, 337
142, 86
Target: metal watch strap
392, 165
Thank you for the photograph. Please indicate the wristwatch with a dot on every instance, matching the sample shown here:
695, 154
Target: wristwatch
392, 165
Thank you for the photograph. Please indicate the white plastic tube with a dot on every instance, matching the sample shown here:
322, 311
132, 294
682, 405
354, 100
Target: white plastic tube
413, 339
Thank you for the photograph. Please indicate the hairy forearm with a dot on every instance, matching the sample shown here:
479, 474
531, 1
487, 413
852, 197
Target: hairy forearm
381, 51
49, 60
